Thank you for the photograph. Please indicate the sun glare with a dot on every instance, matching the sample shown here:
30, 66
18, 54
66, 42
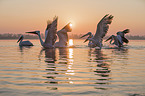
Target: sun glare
71, 42
70, 24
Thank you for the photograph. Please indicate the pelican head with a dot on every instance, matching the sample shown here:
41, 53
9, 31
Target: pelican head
20, 38
90, 36
34, 32
126, 31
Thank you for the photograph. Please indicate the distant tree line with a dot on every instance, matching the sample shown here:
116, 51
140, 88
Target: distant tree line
137, 37
17, 36
72, 36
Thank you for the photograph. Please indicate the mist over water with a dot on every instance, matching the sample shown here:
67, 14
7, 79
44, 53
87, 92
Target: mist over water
32, 71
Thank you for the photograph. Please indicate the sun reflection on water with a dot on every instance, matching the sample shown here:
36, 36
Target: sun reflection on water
70, 43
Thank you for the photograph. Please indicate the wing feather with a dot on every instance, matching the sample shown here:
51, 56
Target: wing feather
102, 27
51, 35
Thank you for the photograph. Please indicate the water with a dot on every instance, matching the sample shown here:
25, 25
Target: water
81, 71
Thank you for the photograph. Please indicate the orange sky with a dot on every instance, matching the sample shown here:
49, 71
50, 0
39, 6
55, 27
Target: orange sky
18, 16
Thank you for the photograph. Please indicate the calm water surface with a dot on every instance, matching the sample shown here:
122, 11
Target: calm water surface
81, 71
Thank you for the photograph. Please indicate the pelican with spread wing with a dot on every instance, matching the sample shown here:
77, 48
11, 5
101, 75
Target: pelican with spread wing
63, 36
119, 39
50, 34
102, 28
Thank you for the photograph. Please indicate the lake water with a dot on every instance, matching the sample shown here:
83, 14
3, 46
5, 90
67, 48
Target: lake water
79, 71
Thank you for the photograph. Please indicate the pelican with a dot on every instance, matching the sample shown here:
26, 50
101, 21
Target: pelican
119, 39
24, 43
63, 36
50, 34
102, 28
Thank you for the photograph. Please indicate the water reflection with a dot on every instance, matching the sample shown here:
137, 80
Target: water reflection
102, 71
21, 48
59, 66
121, 57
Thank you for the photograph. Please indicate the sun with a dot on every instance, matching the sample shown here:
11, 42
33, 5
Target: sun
70, 24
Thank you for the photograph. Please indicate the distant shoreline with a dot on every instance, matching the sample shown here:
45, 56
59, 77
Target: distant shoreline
8, 36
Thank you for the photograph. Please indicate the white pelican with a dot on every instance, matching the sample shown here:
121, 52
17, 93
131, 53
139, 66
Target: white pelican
63, 36
119, 39
102, 28
24, 43
50, 34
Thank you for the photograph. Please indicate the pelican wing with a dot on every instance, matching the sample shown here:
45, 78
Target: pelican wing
124, 40
47, 28
102, 27
51, 35
63, 36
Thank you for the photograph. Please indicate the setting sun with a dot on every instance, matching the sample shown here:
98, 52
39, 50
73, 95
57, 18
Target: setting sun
70, 24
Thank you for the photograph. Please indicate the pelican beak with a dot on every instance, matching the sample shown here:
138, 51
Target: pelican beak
89, 33
19, 39
33, 32
82, 36
86, 40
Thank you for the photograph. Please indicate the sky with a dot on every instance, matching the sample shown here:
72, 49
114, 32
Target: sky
19, 16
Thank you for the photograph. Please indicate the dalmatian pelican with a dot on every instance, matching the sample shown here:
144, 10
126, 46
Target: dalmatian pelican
24, 43
119, 39
102, 28
63, 36
50, 34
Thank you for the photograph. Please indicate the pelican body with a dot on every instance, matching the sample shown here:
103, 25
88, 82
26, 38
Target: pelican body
24, 43
102, 28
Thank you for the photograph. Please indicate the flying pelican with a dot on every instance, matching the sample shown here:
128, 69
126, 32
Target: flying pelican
24, 43
50, 34
63, 36
102, 28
